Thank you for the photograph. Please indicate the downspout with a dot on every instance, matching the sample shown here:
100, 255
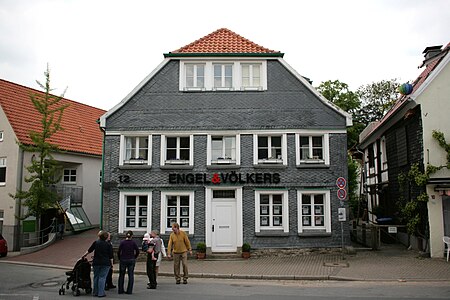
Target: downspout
18, 235
103, 175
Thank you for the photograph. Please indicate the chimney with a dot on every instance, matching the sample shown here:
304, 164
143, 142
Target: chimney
431, 52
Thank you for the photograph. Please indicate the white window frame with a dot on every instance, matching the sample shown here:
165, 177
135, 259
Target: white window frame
195, 86
165, 162
327, 213
251, 85
64, 181
325, 149
122, 151
223, 77
237, 160
164, 195
1, 136
3, 165
122, 211
209, 74
285, 209
268, 162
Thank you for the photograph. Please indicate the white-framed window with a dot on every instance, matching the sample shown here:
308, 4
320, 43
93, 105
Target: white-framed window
271, 210
135, 150
270, 149
177, 150
177, 207
223, 149
194, 76
1, 136
135, 211
312, 149
223, 76
251, 75
2, 171
314, 213
69, 176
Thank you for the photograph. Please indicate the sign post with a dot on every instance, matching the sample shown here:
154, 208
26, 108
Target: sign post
341, 183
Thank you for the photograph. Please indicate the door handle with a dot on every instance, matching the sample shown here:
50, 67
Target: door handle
213, 228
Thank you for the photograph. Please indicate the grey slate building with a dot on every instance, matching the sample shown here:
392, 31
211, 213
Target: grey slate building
227, 140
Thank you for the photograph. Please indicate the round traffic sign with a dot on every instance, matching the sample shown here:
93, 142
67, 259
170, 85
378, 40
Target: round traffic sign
341, 182
341, 194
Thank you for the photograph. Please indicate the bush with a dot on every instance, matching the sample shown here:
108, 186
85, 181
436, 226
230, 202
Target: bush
201, 247
246, 247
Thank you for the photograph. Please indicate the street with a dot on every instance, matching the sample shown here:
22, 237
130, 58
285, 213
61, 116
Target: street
37, 283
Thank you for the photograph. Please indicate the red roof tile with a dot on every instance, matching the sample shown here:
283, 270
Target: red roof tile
223, 41
81, 132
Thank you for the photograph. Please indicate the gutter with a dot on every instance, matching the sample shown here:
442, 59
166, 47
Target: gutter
103, 174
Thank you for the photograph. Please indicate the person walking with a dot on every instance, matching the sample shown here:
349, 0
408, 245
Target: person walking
128, 252
103, 255
179, 244
109, 281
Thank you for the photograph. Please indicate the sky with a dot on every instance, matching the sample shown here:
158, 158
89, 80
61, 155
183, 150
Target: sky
100, 50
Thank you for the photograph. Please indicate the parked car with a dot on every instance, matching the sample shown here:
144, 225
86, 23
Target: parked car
3, 246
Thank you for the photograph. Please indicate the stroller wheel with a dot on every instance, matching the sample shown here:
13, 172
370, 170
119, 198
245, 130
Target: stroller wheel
60, 291
73, 288
77, 292
88, 290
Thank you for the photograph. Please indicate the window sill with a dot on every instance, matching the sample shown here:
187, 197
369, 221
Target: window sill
193, 89
175, 167
252, 88
269, 166
223, 166
271, 233
134, 167
314, 234
313, 166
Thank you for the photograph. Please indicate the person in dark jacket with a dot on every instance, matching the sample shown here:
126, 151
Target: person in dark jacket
103, 255
109, 281
128, 252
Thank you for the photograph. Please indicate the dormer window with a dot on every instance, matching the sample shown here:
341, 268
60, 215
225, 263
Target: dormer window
226, 74
223, 76
195, 76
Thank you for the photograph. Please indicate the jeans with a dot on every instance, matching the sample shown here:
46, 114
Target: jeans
126, 265
100, 273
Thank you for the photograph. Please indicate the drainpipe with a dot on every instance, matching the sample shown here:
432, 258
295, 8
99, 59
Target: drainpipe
18, 235
103, 175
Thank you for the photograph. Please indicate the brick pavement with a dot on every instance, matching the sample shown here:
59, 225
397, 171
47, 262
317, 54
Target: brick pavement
390, 263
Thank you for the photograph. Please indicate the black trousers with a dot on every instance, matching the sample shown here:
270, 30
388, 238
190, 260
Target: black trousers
151, 271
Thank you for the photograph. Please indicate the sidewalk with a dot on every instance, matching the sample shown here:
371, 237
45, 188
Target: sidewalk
393, 263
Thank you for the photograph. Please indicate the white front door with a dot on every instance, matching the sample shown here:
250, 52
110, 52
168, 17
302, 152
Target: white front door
224, 235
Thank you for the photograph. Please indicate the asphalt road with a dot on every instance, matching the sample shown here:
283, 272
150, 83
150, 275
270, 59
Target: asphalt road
37, 283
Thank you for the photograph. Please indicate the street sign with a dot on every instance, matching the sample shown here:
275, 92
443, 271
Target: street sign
341, 194
341, 182
342, 214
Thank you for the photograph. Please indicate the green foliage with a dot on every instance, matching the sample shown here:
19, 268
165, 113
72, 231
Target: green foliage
201, 247
246, 247
353, 173
376, 99
44, 170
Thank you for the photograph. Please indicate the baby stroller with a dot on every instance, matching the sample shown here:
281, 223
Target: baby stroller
80, 277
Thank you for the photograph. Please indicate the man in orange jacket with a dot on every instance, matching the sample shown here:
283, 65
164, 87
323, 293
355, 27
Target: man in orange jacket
179, 244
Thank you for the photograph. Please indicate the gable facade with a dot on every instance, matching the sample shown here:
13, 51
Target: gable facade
246, 151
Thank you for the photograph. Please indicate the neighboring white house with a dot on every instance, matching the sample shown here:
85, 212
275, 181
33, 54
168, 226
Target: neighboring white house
404, 137
81, 158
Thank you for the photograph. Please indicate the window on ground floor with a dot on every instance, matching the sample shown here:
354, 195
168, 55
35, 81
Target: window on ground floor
271, 210
135, 211
314, 211
177, 207
2, 171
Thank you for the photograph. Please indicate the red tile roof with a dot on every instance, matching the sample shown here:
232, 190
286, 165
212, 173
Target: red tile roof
223, 41
81, 132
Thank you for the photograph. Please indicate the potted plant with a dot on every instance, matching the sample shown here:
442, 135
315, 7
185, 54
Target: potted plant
201, 250
246, 250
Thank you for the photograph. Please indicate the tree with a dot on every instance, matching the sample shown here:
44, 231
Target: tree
376, 99
44, 169
339, 94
